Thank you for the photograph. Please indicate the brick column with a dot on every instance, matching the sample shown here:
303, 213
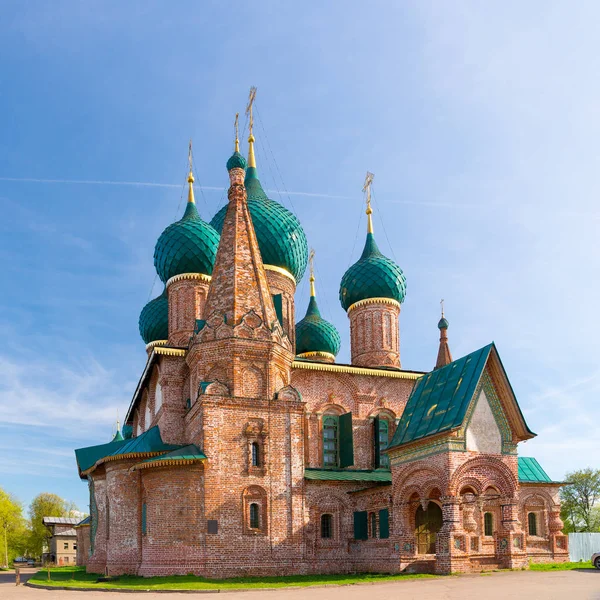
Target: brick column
187, 297
374, 333
510, 541
451, 550
123, 491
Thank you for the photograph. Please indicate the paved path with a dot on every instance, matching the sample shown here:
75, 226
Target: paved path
563, 585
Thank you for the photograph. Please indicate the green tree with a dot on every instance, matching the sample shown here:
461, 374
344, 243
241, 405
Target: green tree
580, 501
46, 505
12, 528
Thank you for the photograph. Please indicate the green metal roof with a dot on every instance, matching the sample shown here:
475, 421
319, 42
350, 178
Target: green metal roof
186, 246
190, 452
443, 323
440, 399
154, 319
118, 437
281, 239
149, 441
530, 471
347, 475
372, 276
315, 334
127, 431
88, 457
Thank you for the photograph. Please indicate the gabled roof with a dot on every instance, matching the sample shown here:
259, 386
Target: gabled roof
348, 475
440, 400
84, 522
530, 471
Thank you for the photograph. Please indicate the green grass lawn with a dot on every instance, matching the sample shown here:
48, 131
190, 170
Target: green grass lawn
77, 577
567, 566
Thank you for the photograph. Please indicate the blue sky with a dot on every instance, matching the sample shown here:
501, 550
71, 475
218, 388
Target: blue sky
479, 120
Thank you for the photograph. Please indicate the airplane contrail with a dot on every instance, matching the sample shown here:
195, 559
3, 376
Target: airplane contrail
160, 185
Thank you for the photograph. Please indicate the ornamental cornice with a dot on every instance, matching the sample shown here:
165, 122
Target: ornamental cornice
174, 462
182, 276
318, 366
156, 343
368, 301
280, 270
166, 351
317, 354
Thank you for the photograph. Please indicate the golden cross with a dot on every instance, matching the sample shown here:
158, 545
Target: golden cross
442, 305
367, 188
311, 262
190, 154
251, 98
236, 126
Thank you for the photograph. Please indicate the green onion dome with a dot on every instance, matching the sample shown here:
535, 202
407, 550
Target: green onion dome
280, 236
372, 276
186, 246
154, 319
236, 161
127, 432
315, 334
443, 324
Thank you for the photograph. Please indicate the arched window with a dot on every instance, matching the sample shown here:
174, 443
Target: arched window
255, 454
327, 526
254, 516
330, 441
488, 524
381, 439
532, 522
148, 416
373, 525
157, 398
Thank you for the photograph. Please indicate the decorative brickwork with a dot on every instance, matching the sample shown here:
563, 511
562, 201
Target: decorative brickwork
374, 334
287, 466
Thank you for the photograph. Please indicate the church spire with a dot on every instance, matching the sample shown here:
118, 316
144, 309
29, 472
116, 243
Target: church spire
239, 290
444, 356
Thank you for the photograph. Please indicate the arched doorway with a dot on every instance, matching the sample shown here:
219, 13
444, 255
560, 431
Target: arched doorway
427, 524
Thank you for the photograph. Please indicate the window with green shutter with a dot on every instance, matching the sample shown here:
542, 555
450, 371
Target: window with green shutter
278, 304
381, 439
361, 526
384, 523
330, 441
346, 441
144, 518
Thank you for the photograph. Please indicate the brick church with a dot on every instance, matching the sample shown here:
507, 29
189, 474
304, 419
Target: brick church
247, 450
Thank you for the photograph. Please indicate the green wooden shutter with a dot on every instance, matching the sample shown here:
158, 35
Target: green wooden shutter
278, 304
376, 442
361, 528
346, 443
384, 523
144, 517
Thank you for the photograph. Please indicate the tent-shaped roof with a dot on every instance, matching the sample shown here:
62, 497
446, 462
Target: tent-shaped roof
440, 400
